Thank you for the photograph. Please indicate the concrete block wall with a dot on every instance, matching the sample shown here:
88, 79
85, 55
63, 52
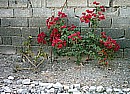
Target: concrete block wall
21, 18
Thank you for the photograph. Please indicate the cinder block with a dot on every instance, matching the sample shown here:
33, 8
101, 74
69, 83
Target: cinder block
74, 21
55, 3
7, 49
102, 2
14, 22
5, 31
119, 54
121, 3
115, 33
42, 12
44, 29
37, 22
125, 12
36, 3
68, 11
124, 43
29, 31
127, 33
17, 41
6, 12
77, 3
23, 12
7, 40
18, 3
0, 40
3, 3
121, 22
111, 12
127, 53
79, 11
105, 23
43, 3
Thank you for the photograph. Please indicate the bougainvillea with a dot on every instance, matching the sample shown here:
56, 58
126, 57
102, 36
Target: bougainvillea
68, 40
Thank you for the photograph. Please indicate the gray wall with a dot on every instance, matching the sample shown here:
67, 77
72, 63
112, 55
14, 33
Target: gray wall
21, 18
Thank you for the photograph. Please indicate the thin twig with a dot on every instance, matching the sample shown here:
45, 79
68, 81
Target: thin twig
29, 60
64, 5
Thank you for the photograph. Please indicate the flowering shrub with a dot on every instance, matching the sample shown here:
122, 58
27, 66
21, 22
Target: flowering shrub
68, 40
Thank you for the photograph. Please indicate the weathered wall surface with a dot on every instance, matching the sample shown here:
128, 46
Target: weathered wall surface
21, 18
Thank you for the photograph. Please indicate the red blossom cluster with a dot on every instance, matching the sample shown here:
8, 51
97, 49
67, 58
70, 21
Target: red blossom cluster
93, 14
58, 43
109, 42
53, 20
75, 36
41, 38
54, 34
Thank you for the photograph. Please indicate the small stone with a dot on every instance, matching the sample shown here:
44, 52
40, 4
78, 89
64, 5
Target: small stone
44, 84
19, 81
22, 91
92, 89
100, 89
26, 82
85, 88
42, 92
117, 90
7, 89
109, 90
50, 86
66, 87
8, 81
77, 86
126, 90
11, 78
58, 85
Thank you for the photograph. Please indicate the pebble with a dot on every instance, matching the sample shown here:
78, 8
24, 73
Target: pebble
11, 78
100, 89
26, 81
26, 86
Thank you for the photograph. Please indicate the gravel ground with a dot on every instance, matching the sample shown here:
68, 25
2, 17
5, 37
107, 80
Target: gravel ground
116, 74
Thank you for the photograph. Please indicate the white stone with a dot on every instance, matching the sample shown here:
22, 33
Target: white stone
44, 84
42, 92
109, 90
7, 89
58, 85
66, 87
7, 81
85, 88
26, 82
11, 78
117, 90
100, 89
126, 89
92, 88
19, 81
77, 86
50, 85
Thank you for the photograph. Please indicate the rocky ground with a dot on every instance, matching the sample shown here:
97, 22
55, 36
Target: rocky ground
64, 76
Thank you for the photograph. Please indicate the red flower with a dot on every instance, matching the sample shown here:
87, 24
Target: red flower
83, 13
101, 17
89, 11
96, 3
40, 38
64, 26
60, 46
117, 47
